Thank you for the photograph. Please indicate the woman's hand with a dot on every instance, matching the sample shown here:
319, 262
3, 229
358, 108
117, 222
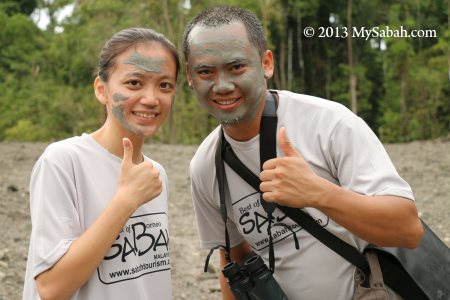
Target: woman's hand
138, 183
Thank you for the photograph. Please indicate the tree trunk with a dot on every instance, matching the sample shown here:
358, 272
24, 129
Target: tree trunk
328, 78
351, 72
289, 59
265, 8
301, 61
448, 51
283, 64
403, 95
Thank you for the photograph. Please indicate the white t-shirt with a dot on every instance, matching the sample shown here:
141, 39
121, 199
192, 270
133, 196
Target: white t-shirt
71, 184
339, 147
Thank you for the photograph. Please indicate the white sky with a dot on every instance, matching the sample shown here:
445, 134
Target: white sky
41, 18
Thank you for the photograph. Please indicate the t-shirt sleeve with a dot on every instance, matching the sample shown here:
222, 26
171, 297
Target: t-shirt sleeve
362, 163
210, 224
54, 215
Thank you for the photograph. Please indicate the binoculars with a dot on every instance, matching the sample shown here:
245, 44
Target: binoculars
252, 280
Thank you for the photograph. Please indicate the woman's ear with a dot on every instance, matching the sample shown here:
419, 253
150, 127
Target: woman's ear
100, 90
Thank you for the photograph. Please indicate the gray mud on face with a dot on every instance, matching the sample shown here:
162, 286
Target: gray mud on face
119, 97
146, 63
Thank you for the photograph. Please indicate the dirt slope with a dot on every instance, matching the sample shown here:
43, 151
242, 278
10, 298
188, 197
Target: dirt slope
425, 165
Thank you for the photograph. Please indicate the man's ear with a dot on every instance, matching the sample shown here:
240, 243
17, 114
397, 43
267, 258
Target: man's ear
268, 64
100, 90
189, 78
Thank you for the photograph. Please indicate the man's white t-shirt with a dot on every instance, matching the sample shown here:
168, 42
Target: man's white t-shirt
337, 146
71, 184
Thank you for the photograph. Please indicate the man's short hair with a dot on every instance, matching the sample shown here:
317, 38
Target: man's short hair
222, 15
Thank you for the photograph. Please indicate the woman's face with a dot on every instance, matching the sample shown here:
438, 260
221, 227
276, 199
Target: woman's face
140, 91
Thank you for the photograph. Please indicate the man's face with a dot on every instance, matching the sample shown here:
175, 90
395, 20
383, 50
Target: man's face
226, 72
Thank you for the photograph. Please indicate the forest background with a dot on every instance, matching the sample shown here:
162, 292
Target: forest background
400, 86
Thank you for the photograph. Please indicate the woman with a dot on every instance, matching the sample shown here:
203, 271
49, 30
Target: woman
98, 205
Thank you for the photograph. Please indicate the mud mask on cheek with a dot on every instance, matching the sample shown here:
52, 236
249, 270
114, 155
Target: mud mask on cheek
119, 97
118, 112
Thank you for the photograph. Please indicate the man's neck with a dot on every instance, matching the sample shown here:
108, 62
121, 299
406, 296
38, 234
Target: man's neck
241, 132
246, 129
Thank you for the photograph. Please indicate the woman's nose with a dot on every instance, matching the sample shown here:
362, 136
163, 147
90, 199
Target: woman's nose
150, 98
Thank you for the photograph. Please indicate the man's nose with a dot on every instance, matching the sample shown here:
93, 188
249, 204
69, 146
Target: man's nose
223, 84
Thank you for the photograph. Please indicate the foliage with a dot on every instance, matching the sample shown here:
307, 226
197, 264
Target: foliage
402, 84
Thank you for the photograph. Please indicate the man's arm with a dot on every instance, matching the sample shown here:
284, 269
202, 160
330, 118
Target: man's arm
381, 220
238, 254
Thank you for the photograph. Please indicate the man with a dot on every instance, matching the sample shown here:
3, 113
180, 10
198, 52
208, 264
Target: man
333, 166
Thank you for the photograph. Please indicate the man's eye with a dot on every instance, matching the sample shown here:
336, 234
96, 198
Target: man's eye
203, 72
237, 67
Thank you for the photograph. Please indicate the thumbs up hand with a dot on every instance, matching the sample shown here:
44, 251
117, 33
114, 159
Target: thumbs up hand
289, 181
139, 183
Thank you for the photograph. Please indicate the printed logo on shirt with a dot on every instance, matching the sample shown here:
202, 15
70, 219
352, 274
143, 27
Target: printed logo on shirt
141, 248
253, 222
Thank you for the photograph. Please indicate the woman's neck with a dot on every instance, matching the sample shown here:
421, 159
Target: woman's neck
111, 140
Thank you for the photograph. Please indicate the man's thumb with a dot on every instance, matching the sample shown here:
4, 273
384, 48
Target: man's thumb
285, 144
127, 151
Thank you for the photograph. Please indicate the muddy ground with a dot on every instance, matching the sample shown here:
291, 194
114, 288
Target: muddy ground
425, 165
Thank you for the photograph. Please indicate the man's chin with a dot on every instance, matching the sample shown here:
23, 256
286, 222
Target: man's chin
231, 122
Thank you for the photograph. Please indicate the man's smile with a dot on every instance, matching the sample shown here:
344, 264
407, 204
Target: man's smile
226, 101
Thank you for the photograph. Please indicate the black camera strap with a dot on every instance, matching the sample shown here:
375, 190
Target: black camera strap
220, 170
267, 143
220, 173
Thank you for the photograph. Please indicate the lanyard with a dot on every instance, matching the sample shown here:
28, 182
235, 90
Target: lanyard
224, 151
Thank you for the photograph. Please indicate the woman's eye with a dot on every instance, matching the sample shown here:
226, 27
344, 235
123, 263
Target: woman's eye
134, 83
166, 85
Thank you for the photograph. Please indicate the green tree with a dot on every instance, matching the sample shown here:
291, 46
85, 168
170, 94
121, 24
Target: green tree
403, 84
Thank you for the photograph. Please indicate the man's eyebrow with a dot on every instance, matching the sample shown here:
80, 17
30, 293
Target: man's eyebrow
237, 61
200, 66
231, 62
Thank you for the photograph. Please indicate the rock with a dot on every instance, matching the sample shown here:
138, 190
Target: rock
12, 188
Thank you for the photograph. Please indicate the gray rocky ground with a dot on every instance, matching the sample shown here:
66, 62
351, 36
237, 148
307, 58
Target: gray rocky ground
425, 165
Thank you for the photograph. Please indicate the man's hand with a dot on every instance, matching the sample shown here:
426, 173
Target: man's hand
289, 181
139, 183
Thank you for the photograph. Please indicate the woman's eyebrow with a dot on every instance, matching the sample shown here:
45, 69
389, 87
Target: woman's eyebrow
140, 74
